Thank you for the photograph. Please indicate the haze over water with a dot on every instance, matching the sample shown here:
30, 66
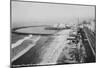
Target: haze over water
30, 13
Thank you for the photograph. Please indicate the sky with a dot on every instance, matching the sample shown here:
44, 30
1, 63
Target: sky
31, 13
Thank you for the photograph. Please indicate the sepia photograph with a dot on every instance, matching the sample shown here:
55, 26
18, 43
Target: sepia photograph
46, 33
